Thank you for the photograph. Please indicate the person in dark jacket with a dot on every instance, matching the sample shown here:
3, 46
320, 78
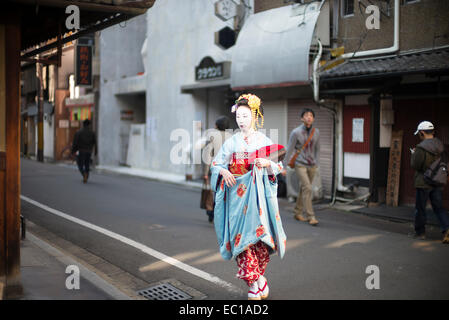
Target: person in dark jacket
84, 142
425, 153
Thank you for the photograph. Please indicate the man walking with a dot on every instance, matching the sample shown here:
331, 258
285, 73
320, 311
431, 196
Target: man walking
83, 142
425, 153
304, 145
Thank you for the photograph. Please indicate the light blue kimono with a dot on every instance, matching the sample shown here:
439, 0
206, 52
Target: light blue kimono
248, 212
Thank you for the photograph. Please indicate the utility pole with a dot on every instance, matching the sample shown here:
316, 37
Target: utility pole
40, 113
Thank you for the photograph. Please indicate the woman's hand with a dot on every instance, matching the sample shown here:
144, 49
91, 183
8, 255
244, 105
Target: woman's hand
262, 163
228, 177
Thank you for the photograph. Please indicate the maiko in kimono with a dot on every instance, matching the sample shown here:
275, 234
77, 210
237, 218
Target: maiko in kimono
247, 219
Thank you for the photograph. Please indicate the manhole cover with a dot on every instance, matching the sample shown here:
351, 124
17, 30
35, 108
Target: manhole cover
164, 292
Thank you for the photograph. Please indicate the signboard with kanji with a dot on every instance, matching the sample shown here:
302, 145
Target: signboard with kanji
208, 70
83, 67
394, 169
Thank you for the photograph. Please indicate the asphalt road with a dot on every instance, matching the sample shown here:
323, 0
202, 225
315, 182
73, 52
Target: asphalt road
324, 262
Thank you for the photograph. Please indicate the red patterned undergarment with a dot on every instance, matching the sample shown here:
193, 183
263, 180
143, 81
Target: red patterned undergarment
252, 262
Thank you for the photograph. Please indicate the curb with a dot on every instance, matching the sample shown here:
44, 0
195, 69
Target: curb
94, 269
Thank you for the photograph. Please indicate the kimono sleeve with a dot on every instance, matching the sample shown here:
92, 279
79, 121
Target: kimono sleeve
221, 161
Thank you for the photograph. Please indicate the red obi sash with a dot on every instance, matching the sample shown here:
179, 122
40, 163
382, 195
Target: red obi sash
239, 164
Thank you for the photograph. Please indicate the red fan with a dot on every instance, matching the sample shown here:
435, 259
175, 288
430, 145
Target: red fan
274, 152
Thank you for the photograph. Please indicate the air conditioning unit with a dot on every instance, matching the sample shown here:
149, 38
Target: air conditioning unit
293, 185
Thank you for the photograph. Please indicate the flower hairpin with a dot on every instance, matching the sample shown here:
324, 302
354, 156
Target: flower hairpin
254, 104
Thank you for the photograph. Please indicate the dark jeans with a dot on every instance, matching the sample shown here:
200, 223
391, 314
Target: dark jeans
436, 199
83, 161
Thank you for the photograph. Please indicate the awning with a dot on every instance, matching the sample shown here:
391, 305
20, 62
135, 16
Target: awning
189, 88
82, 101
131, 85
273, 47
43, 20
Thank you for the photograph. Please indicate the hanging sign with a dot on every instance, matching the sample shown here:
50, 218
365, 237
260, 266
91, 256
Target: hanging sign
83, 65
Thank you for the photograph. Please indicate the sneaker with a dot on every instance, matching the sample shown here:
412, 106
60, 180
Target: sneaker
254, 292
446, 237
300, 217
313, 222
262, 283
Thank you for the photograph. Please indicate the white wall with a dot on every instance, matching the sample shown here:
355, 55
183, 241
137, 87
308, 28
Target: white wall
49, 135
356, 165
180, 35
120, 57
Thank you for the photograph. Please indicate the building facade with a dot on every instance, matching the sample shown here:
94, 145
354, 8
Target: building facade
65, 104
174, 96
391, 79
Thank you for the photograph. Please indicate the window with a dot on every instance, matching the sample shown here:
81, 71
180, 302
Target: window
347, 8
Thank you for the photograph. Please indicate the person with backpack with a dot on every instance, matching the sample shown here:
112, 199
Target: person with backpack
430, 176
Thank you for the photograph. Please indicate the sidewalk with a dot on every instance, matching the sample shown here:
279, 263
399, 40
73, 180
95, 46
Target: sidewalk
178, 179
43, 275
49, 266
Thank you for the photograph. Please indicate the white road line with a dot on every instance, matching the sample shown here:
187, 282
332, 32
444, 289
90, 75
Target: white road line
154, 253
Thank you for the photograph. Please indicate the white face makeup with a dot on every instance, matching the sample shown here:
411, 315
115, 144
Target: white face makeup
244, 118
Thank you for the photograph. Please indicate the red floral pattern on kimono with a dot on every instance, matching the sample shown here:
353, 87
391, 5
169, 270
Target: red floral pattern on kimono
252, 263
241, 190
260, 231
237, 240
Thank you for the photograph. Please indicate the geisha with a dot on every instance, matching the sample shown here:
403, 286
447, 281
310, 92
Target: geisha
247, 219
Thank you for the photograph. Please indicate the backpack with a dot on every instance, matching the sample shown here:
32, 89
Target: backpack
437, 174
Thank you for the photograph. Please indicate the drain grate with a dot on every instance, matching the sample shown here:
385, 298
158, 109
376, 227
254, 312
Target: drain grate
164, 291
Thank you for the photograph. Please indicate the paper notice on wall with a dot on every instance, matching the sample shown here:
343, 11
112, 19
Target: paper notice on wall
357, 129
63, 123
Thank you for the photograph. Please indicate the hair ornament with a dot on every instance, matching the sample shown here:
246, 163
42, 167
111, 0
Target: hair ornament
254, 104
